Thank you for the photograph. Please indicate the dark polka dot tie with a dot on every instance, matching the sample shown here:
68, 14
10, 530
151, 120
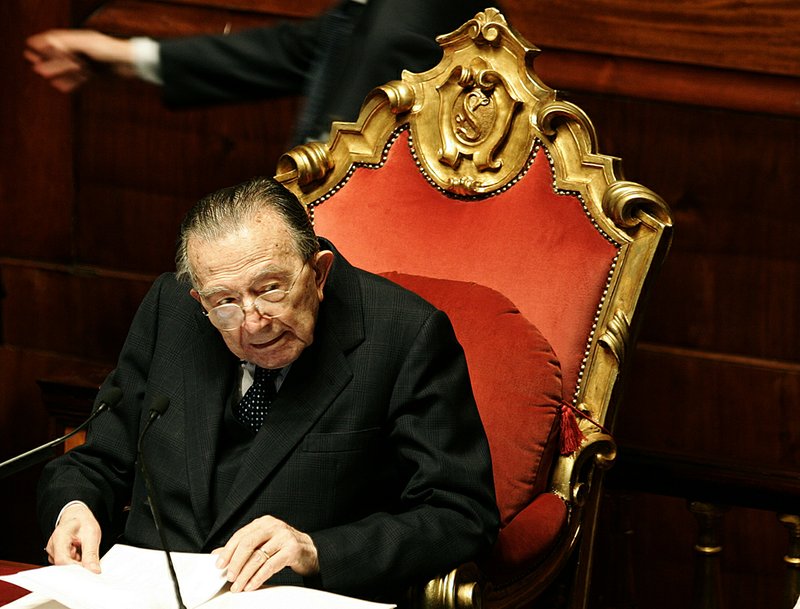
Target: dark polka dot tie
253, 408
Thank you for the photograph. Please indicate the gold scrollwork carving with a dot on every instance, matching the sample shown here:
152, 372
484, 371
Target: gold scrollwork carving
476, 109
486, 27
617, 335
600, 451
312, 162
465, 185
399, 94
623, 202
554, 110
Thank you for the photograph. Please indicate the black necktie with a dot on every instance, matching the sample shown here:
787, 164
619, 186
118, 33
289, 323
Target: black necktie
252, 409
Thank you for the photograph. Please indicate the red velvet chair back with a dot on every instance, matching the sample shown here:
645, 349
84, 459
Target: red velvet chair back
532, 243
475, 186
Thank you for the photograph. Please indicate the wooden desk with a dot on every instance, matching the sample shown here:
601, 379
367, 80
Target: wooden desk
10, 592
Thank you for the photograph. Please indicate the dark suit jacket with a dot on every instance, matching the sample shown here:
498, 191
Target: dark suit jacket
373, 446
389, 36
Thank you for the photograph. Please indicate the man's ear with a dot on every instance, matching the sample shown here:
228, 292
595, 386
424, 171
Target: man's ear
323, 261
195, 294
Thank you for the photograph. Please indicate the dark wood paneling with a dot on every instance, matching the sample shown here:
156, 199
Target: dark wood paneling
685, 84
22, 409
279, 7
121, 227
731, 283
36, 190
140, 167
712, 406
730, 303
139, 19
128, 137
36, 208
81, 312
160, 19
754, 35
136, 12
728, 176
737, 408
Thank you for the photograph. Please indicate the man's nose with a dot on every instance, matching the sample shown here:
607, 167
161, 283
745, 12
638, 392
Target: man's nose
253, 320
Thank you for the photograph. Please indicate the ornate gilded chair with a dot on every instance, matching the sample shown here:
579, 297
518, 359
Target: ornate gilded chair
476, 186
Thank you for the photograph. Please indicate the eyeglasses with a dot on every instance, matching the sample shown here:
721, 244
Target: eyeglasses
270, 304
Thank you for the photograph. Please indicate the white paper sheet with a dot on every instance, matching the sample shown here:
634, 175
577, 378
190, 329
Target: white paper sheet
133, 578
34, 601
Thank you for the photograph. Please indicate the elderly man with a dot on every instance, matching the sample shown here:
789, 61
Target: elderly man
368, 470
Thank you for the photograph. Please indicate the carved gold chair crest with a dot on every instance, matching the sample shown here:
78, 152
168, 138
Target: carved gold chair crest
474, 184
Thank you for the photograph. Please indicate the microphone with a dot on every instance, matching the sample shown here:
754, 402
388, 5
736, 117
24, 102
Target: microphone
108, 401
157, 408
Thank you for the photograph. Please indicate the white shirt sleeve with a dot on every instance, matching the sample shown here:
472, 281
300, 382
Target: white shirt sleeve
147, 59
58, 519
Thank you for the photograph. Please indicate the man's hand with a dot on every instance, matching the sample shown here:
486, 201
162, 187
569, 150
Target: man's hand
66, 57
76, 539
262, 548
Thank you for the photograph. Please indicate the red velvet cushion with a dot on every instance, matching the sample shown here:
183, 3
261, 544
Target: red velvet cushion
527, 539
516, 380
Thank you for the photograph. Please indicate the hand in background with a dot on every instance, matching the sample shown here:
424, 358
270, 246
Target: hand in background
68, 58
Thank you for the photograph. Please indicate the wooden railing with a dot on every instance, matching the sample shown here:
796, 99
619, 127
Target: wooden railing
712, 488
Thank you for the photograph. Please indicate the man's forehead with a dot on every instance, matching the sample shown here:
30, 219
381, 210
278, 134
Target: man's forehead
263, 231
255, 250
216, 284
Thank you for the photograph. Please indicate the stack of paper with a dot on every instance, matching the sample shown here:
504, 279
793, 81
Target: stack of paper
133, 578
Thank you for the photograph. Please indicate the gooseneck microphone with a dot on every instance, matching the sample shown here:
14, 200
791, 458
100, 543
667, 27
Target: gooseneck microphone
157, 408
108, 400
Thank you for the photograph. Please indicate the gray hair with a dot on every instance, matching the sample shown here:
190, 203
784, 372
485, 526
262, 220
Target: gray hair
223, 212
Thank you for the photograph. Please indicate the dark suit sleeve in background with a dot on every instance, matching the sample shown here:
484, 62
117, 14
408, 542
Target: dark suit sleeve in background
389, 36
252, 64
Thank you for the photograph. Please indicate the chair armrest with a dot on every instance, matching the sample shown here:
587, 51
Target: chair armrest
461, 588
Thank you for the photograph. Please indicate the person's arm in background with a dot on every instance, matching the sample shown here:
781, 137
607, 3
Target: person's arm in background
194, 70
252, 64
389, 36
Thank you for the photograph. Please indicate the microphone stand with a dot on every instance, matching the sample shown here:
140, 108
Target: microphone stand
41, 453
158, 408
